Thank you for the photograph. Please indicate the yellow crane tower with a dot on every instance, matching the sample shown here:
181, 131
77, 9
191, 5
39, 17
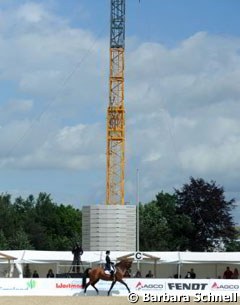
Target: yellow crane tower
100, 230
116, 111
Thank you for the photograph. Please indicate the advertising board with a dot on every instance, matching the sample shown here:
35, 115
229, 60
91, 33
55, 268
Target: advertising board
141, 286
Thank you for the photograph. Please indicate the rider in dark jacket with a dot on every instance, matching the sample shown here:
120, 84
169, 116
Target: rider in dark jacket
109, 263
77, 252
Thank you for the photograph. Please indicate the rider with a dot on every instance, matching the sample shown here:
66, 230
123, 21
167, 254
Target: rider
109, 264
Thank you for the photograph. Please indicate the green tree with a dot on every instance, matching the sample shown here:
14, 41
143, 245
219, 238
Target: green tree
8, 220
69, 226
20, 241
154, 230
38, 223
179, 225
234, 245
161, 227
28, 219
210, 213
4, 244
58, 226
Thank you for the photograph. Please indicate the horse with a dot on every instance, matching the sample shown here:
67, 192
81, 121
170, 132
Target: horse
98, 273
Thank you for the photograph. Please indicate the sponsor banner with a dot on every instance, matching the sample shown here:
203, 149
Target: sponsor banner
183, 286
224, 285
40, 286
147, 284
142, 286
187, 285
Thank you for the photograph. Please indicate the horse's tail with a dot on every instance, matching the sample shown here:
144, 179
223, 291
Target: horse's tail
84, 278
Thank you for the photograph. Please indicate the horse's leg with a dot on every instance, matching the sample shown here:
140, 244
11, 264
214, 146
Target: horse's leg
113, 283
85, 289
93, 284
125, 284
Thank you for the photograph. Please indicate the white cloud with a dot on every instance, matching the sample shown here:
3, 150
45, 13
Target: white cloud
182, 103
16, 106
32, 12
74, 148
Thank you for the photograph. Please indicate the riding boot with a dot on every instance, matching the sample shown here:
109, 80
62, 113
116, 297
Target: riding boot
113, 276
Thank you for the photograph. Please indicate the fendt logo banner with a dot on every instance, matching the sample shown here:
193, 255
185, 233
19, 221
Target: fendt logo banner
187, 286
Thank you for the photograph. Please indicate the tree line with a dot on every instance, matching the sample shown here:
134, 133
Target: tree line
196, 217
38, 223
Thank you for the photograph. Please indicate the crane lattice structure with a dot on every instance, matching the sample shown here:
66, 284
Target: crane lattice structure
116, 112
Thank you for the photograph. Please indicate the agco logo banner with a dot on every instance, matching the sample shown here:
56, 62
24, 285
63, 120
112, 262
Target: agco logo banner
141, 285
225, 286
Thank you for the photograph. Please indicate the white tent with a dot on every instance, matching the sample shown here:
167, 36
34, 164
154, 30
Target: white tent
9, 260
210, 257
206, 264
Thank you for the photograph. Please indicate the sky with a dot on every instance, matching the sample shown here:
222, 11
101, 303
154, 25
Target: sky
182, 97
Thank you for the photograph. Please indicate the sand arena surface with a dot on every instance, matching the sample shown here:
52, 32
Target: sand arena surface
79, 300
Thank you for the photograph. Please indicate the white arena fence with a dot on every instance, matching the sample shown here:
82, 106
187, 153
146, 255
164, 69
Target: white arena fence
73, 287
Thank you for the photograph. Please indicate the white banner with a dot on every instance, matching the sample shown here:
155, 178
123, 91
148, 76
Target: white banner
73, 286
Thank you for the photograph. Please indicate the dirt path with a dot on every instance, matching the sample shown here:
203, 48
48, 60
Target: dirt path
77, 301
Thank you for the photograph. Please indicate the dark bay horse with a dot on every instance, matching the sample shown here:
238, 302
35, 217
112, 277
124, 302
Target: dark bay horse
98, 273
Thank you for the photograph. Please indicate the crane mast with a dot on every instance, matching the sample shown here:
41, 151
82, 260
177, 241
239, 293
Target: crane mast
115, 111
